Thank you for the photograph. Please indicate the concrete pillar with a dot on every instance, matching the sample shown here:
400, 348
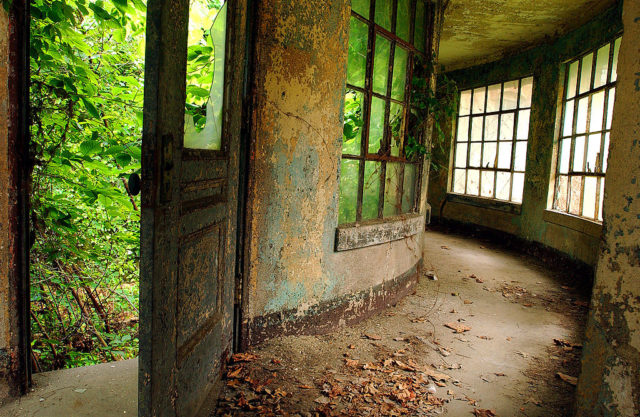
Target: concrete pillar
609, 383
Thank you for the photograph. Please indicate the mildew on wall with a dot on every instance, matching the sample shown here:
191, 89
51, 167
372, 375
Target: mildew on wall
609, 384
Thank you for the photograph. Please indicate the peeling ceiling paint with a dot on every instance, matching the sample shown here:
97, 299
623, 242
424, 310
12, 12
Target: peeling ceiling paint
479, 31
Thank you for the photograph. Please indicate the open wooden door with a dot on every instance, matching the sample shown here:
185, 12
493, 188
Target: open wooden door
189, 211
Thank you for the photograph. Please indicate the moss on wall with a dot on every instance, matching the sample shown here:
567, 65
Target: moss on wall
544, 62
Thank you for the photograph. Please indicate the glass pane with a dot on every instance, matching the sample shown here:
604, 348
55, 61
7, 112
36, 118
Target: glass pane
593, 153
562, 188
614, 65
376, 124
383, 13
578, 154
589, 203
403, 25
396, 124
600, 204
597, 112
585, 75
506, 126
520, 157
465, 102
504, 155
568, 118
409, 188
526, 90
510, 95
473, 182
463, 129
518, 187
503, 185
565, 156
605, 157
381, 65
488, 178
205, 76
475, 155
493, 97
523, 124
353, 121
459, 180
371, 194
491, 127
478, 100
399, 73
419, 30
348, 190
602, 66
461, 155
361, 7
392, 190
572, 79
476, 129
581, 123
489, 154
610, 103
357, 57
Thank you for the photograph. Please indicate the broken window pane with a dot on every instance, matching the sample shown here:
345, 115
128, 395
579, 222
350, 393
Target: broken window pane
383, 13
575, 190
473, 182
562, 189
459, 181
349, 169
205, 75
503, 185
494, 93
614, 65
381, 64
585, 75
489, 154
357, 57
371, 194
376, 124
353, 122
602, 66
526, 90
396, 125
409, 188
465, 103
419, 29
510, 95
593, 153
572, 79
478, 100
463, 129
518, 187
488, 178
399, 73
392, 203
605, 157
361, 7
403, 25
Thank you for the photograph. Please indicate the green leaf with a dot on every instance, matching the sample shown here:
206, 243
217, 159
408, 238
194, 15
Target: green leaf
90, 147
100, 12
91, 108
123, 159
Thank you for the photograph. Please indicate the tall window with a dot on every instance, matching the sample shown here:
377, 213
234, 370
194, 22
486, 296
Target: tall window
376, 178
584, 133
491, 140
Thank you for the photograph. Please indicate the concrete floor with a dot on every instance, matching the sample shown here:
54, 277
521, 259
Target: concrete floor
105, 390
514, 305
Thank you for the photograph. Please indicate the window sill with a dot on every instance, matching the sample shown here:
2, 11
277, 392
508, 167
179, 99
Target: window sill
375, 232
570, 221
489, 203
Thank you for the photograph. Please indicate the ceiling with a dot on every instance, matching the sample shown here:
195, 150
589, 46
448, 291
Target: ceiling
479, 31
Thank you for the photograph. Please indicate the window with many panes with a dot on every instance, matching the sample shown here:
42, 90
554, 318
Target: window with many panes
583, 147
376, 178
491, 140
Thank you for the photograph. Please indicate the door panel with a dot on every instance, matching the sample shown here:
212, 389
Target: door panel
189, 220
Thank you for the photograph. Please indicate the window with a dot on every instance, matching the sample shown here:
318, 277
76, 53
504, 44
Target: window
587, 109
376, 179
491, 140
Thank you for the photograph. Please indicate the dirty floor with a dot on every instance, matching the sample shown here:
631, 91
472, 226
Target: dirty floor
489, 331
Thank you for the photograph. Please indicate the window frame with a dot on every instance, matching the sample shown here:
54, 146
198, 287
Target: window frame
599, 173
513, 141
383, 156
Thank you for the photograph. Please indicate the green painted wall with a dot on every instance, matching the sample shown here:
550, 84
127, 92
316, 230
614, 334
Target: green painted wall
544, 62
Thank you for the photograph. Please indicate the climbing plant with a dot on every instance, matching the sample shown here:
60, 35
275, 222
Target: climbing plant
86, 95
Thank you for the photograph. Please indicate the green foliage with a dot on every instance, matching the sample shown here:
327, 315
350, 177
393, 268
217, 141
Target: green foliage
86, 96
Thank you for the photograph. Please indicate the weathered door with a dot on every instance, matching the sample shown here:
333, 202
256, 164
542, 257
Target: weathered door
189, 215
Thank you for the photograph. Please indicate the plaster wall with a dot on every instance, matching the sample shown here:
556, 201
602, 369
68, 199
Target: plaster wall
299, 79
609, 384
575, 237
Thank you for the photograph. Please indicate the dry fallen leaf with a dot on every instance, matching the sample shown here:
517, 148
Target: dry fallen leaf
372, 337
458, 327
244, 357
234, 373
567, 378
352, 346
305, 387
479, 280
352, 363
468, 302
437, 376
445, 247
480, 412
